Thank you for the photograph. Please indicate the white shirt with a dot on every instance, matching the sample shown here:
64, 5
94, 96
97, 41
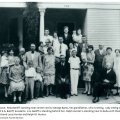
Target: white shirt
101, 51
4, 61
46, 38
30, 72
78, 38
63, 50
74, 62
32, 55
38, 77
55, 42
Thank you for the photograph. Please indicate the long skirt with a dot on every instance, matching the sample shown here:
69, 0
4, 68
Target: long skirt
87, 72
16, 86
49, 79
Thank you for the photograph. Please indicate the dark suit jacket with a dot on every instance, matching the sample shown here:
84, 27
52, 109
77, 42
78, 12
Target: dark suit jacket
67, 40
99, 59
111, 76
79, 49
62, 72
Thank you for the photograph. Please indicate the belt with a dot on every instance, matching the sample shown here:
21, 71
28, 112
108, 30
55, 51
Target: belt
29, 77
75, 68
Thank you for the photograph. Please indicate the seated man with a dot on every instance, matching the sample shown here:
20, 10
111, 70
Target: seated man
105, 82
62, 78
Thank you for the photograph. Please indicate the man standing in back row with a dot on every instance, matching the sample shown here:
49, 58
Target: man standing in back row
67, 38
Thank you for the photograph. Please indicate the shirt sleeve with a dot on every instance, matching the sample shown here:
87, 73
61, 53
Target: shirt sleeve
69, 61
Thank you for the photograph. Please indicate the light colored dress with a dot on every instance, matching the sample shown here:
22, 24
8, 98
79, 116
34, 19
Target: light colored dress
89, 68
108, 59
116, 68
17, 73
49, 69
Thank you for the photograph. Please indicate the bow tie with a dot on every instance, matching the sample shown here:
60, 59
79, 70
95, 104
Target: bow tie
32, 52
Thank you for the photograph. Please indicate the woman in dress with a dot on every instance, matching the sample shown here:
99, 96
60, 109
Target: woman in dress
116, 68
49, 71
4, 74
88, 70
16, 76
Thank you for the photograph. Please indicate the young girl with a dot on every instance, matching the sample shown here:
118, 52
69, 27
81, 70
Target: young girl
38, 83
89, 69
30, 75
4, 75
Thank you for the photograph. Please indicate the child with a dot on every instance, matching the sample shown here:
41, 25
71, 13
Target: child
74, 72
83, 56
74, 35
30, 75
79, 36
4, 71
39, 83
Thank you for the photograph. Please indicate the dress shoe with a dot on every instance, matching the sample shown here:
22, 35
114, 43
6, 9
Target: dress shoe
89, 94
95, 100
85, 92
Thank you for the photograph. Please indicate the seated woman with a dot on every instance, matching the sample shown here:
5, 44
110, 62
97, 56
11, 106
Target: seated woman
62, 78
16, 76
106, 82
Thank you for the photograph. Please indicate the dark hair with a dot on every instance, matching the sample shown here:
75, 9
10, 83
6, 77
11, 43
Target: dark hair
50, 48
91, 46
40, 42
117, 50
66, 27
108, 48
46, 29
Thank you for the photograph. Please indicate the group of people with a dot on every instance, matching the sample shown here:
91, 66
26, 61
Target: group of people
56, 67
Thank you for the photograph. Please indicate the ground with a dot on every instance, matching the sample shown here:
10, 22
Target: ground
80, 99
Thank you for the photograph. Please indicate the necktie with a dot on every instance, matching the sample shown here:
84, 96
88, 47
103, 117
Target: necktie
60, 49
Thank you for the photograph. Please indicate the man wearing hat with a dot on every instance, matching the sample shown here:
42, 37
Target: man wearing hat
74, 62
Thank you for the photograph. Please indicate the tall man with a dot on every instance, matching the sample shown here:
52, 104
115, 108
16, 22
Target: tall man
82, 45
35, 58
99, 55
62, 78
67, 38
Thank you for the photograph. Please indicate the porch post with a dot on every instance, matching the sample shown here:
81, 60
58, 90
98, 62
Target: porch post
20, 31
41, 29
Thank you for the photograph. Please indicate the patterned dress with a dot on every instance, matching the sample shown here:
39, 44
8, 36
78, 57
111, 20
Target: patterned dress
89, 68
49, 69
17, 73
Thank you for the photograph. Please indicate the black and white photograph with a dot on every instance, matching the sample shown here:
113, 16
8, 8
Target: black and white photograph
59, 53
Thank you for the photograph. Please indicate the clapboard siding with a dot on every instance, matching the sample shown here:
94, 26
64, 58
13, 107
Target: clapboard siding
103, 26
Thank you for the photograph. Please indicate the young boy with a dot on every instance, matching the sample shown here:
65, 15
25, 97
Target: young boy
74, 72
38, 83
30, 75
